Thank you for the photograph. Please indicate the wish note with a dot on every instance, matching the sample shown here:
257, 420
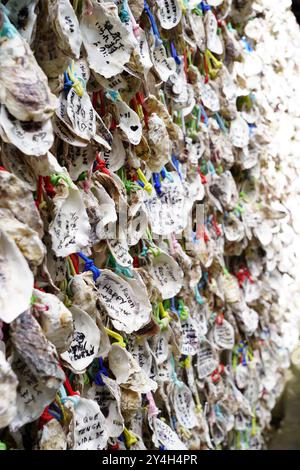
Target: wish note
106, 40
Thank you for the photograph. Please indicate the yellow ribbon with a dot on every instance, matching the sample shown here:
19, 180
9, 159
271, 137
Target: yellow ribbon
119, 338
129, 437
147, 185
77, 85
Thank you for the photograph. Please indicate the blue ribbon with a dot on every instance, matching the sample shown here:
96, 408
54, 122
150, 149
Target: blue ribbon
204, 7
153, 23
90, 266
102, 370
177, 166
174, 54
157, 183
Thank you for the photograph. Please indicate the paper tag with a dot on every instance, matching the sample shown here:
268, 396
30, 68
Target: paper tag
239, 133
129, 123
86, 339
53, 436
81, 114
224, 335
70, 227
206, 361
164, 66
209, 97
115, 158
106, 40
14, 271
184, 406
32, 138
141, 352
198, 29
169, 13
68, 27
169, 208
56, 321
214, 43
144, 52
190, 337
165, 435
161, 346
90, 426
66, 135
108, 397
126, 301
167, 275
32, 397
137, 223
127, 371
8, 392
119, 250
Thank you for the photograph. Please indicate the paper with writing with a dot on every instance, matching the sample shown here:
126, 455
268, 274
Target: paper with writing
32, 395
167, 275
120, 251
127, 371
90, 426
16, 280
115, 158
214, 43
85, 343
129, 123
125, 301
209, 97
169, 13
224, 335
67, 27
167, 214
164, 435
190, 337
32, 138
70, 227
81, 115
184, 406
108, 397
106, 40
164, 66
8, 392
206, 359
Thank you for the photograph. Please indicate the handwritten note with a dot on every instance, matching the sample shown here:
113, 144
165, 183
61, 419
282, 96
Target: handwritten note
169, 13
81, 114
167, 275
165, 435
32, 138
70, 228
32, 397
120, 252
85, 343
67, 27
164, 66
190, 337
129, 123
206, 361
214, 43
90, 426
224, 335
169, 208
209, 97
106, 40
184, 406
125, 300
